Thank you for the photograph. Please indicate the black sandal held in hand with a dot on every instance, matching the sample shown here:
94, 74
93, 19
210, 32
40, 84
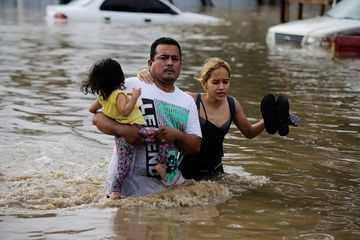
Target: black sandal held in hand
268, 111
276, 115
282, 115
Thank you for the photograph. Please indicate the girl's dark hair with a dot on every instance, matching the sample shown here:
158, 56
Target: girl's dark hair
105, 76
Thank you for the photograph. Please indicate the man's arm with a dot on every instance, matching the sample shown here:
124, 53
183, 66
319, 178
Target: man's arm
189, 143
109, 126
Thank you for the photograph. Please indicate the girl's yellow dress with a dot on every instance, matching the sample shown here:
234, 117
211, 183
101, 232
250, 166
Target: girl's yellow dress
109, 109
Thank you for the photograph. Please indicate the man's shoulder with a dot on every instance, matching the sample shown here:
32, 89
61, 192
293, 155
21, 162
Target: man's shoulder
183, 99
184, 94
131, 80
134, 82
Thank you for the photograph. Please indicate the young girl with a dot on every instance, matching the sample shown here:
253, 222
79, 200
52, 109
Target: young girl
106, 79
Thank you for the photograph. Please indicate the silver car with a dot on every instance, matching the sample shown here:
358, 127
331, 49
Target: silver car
124, 11
342, 19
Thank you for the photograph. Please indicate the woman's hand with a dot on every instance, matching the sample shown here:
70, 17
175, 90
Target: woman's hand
145, 75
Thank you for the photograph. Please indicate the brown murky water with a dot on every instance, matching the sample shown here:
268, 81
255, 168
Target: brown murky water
53, 162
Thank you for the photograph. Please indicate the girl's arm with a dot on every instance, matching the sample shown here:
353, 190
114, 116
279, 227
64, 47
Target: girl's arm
126, 107
94, 106
242, 123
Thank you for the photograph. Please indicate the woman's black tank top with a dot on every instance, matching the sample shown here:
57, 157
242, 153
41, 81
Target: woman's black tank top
207, 162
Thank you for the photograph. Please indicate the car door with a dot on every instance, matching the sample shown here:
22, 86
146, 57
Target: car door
136, 11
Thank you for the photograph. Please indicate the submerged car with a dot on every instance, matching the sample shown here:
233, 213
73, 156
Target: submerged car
342, 19
124, 11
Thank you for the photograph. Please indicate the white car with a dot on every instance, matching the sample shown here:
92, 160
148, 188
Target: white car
124, 11
342, 19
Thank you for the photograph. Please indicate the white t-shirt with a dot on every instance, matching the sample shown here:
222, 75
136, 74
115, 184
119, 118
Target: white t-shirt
159, 108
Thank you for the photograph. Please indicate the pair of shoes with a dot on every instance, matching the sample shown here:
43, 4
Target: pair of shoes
276, 115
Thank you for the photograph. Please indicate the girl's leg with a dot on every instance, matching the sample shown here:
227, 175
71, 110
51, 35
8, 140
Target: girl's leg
124, 156
160, 167
167, 157
150, 134
162, 156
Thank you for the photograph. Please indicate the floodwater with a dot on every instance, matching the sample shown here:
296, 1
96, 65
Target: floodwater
53, 161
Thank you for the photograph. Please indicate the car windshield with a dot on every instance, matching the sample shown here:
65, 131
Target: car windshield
80, 2
349, 9
140, 6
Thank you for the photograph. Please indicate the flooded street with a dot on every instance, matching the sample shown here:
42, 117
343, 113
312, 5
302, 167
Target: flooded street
53, 161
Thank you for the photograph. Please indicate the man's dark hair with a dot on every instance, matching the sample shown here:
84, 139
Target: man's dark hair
163, 40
